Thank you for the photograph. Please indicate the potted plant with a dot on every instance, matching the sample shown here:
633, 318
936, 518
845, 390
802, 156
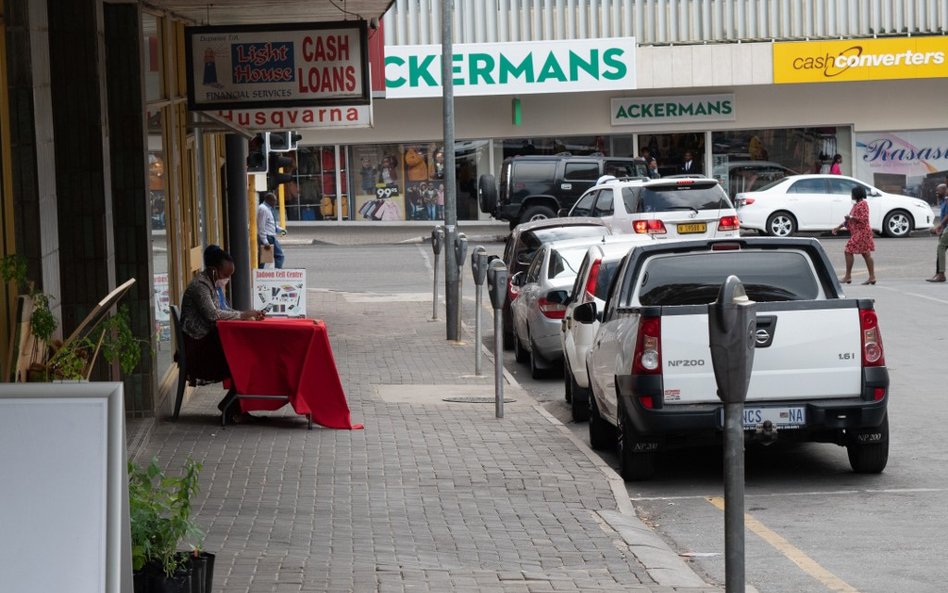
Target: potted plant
161, 525
32, 345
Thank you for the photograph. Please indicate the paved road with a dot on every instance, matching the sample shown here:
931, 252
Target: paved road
815, 526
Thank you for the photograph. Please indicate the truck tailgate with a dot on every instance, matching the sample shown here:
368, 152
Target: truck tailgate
814, 353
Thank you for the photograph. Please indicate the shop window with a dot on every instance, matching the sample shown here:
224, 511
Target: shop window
151, 57
158, 203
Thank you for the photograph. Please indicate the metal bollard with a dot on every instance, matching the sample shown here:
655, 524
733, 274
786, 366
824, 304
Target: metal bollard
497, 288
437, 244
479, 270
460, 253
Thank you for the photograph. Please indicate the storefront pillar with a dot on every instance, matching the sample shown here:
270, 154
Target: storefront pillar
238, 217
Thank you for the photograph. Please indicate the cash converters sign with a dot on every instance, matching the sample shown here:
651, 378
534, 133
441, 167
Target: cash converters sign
861, 59
512, 68
696, 108
277, 65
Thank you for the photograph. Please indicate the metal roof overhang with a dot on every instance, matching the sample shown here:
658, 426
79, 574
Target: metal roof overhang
258, 12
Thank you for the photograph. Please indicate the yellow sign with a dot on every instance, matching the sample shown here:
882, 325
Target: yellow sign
861, 59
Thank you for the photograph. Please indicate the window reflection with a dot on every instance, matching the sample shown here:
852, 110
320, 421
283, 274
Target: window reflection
157, 188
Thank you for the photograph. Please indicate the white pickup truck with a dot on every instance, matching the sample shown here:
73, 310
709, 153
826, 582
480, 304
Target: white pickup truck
819, 369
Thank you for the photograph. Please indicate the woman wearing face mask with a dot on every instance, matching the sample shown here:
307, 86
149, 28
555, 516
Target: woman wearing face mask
202, 305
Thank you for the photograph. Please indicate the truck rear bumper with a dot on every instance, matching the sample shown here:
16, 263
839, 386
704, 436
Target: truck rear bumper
827, 420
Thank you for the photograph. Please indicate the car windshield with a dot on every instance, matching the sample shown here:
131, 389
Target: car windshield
564, 263
682, 197
696, 279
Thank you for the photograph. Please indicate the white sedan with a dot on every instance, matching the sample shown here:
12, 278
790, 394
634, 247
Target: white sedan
819, 203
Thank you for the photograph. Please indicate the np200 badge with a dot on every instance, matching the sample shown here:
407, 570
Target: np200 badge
686, 363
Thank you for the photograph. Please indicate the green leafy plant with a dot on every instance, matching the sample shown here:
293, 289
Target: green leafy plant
160, 515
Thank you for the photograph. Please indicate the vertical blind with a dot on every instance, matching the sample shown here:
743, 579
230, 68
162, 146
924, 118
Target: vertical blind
657, 22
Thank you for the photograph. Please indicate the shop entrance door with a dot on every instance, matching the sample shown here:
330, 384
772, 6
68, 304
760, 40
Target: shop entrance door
671, 150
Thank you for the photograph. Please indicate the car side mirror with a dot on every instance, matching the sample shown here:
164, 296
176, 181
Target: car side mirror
586, 313
874, 193
518, 279
562, 212
558, 297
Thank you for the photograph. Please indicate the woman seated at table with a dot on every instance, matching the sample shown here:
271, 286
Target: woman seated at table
200, 310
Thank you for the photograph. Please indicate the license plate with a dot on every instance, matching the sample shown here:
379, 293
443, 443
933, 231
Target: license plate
780, 417
699, 227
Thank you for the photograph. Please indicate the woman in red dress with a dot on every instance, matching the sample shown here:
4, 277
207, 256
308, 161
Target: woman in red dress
860, 239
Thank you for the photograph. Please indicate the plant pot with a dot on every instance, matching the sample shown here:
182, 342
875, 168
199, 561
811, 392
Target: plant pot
140, 582
179, 582
202, 572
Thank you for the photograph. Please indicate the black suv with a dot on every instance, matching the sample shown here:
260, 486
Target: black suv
538, 187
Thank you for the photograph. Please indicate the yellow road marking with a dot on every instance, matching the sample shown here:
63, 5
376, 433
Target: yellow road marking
794, 554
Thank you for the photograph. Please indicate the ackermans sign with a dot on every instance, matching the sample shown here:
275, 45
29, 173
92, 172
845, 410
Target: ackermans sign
692, 108
512, 68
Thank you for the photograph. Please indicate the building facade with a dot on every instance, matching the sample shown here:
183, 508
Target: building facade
107, 176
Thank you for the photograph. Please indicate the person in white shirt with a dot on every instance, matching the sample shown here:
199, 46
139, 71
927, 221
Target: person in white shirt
267, 229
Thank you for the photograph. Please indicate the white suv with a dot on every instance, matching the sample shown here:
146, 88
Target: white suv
670, 208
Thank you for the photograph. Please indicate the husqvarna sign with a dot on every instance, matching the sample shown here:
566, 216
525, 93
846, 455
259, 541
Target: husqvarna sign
478, 69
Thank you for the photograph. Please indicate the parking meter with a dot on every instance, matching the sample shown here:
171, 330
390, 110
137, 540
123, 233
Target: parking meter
497, 287
479, 265
460, 249
437, 240
497, 283
732, 323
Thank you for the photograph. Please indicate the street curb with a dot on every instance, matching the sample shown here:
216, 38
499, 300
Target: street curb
661, 563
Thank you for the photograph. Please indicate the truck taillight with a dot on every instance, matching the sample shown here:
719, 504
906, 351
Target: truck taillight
551, 310
649, 227
593, 278
647, 359
729, 223
872, 352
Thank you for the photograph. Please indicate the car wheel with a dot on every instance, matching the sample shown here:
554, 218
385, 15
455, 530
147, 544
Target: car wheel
897, 224
537, 371
580, 407
567, 384
520, 353
781, 224
537, 213
487, 193
870, 459
602, 435
635, 465
507, 330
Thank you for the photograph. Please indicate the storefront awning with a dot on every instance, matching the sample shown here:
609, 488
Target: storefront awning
247, 12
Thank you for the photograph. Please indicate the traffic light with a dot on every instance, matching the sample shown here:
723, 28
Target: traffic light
284, 141
257, 154
279, 172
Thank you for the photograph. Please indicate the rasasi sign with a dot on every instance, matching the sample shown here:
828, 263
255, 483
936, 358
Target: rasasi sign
693, 108
512, 68
277, 65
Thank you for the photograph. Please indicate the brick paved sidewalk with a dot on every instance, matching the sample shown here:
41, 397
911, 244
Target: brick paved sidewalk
431, 496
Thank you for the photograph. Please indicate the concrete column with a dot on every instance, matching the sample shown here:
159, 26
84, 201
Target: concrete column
128, 150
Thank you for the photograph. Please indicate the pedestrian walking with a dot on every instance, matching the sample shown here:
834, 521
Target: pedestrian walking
941, 229
837, 167
267, 229
860, 236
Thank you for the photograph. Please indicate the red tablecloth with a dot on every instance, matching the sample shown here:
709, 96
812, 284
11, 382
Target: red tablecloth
286, 357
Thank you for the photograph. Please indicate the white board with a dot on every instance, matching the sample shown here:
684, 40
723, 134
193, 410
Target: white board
281, 292
64, 491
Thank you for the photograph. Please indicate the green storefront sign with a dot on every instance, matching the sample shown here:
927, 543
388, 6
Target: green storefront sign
645, 110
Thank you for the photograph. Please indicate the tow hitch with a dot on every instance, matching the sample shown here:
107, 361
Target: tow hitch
766, 433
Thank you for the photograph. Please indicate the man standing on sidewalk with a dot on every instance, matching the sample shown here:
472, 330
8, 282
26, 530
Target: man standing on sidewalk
941, 193
267, 229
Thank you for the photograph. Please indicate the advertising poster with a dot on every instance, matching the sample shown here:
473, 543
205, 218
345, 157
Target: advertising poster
910, 163
278, 65
281, 293
380, 179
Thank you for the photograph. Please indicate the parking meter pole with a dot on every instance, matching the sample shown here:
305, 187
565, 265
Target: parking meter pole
460, 253
497, 287
437, 243
732, 324
479, 271
734, 497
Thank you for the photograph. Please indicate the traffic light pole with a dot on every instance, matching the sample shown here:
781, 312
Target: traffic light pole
451, 271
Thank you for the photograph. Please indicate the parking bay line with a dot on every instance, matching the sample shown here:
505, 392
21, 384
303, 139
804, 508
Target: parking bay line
801, 493
794, 554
